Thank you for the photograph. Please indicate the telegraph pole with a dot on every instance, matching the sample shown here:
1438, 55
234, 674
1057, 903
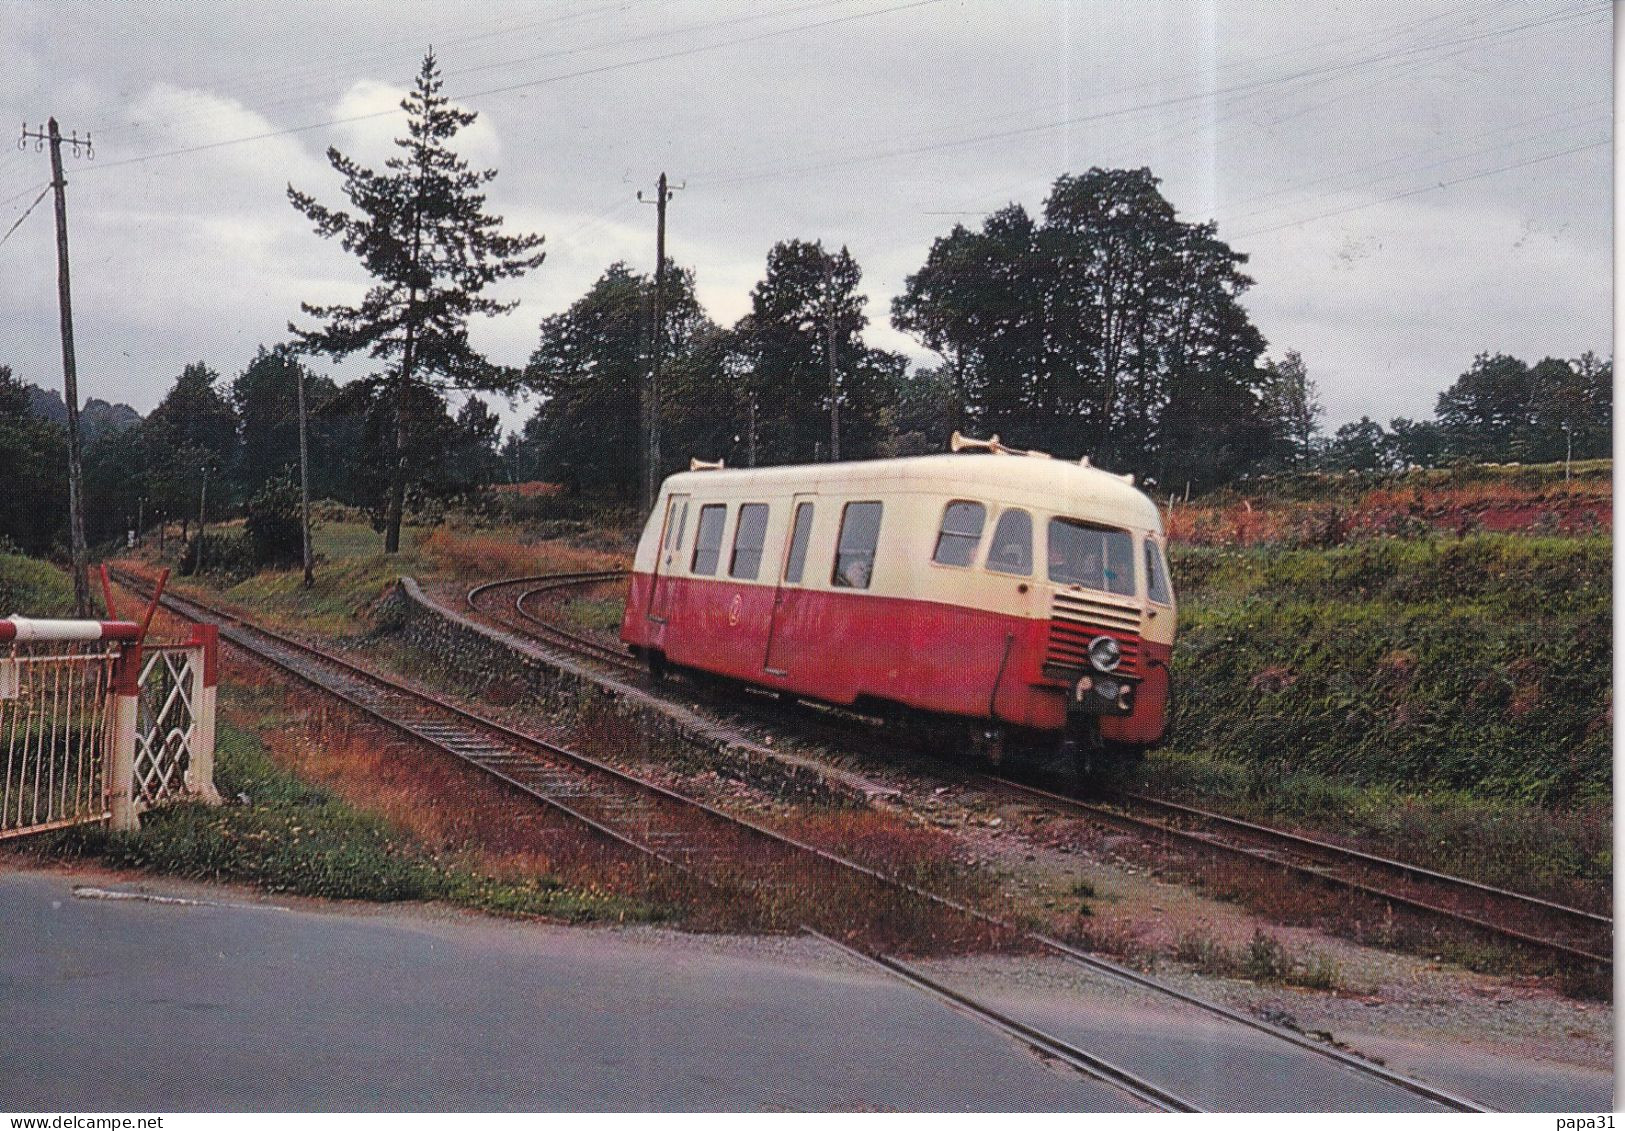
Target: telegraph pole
70, 376
829, 352
651, 393
304, 476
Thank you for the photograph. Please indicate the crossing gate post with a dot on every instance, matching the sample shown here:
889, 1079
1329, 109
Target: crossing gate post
125, 693
205, 673
97, 726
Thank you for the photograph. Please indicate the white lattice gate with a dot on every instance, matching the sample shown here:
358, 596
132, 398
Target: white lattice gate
95, 727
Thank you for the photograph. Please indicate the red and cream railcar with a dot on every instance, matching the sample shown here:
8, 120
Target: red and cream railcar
1005, 588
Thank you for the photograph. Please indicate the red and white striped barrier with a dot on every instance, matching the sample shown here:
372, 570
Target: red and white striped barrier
23, 629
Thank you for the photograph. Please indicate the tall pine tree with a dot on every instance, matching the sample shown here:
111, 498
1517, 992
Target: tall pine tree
421, 230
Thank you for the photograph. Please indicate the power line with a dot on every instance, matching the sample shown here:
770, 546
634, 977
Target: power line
1426, 188
1543, 136
24, 216
531, 84
1139, 108
323, 68
23, 193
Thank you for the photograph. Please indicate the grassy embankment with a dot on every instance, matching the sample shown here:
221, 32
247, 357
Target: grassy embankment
1445, 697
304, 829
353, 573
1422, 662
293, 836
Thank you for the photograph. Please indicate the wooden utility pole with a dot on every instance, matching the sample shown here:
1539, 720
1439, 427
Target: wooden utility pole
202, 510
829, 352
304, 477
70, 376
750, 437
651, 392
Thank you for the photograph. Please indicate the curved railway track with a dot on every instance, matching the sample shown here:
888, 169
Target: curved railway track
721, 849
1529, 921
529, 589
1539, 925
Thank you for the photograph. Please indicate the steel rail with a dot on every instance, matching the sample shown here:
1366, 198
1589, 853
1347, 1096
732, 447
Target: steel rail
1082, 1061
1337, 853
1132, 823
1127, 975
1121, 973
1069, 1054
552, 633
1382, 863
1062, 949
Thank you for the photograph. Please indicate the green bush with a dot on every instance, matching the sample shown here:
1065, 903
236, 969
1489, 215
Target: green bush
273, 524
32, 588
220, 554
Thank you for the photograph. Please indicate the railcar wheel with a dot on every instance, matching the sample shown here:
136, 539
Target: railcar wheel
657, 667
1084, 751
987, 741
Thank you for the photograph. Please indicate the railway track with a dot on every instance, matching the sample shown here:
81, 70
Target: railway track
718, 849
726, 851
1528, 922
488, 599
1538, 924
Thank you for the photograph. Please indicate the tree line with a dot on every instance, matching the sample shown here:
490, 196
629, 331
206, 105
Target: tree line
1104, 325
212, 447
1501, 409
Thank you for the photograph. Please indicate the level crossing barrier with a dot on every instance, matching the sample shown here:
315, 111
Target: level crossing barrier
96, 726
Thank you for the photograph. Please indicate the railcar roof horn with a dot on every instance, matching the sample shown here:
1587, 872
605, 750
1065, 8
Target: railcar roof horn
704, 465
959, 442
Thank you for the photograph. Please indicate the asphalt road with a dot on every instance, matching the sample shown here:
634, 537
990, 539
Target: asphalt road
239, 1005
137, 1006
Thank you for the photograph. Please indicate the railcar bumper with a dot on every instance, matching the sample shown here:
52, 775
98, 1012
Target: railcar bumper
1096, 694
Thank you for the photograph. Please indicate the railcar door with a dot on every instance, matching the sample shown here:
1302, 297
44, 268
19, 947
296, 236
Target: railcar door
671, 548
787, 593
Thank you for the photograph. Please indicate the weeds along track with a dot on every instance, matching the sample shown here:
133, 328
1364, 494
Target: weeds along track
864, 914
515, 602
1536, 924
1527, 922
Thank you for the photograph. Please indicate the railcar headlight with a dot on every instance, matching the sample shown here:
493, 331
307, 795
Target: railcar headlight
1105, 654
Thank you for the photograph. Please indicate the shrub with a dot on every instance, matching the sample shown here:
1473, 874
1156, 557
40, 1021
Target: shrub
273, 526
220, 554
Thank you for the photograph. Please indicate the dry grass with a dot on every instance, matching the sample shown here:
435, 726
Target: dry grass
453, 809
1579, 507
461, 554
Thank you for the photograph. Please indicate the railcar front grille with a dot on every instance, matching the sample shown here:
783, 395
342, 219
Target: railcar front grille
1076, 619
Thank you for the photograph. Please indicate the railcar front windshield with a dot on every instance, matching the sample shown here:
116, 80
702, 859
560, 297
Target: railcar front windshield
1091, 556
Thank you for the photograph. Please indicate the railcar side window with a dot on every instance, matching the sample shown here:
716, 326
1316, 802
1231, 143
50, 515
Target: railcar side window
708, 539
855, 549
1091, 556
1012, 548
961, 532
798, 544
1156, 573
749, 533
675, 521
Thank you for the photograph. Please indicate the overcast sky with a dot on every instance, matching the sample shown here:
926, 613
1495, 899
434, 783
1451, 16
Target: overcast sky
1414, 182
